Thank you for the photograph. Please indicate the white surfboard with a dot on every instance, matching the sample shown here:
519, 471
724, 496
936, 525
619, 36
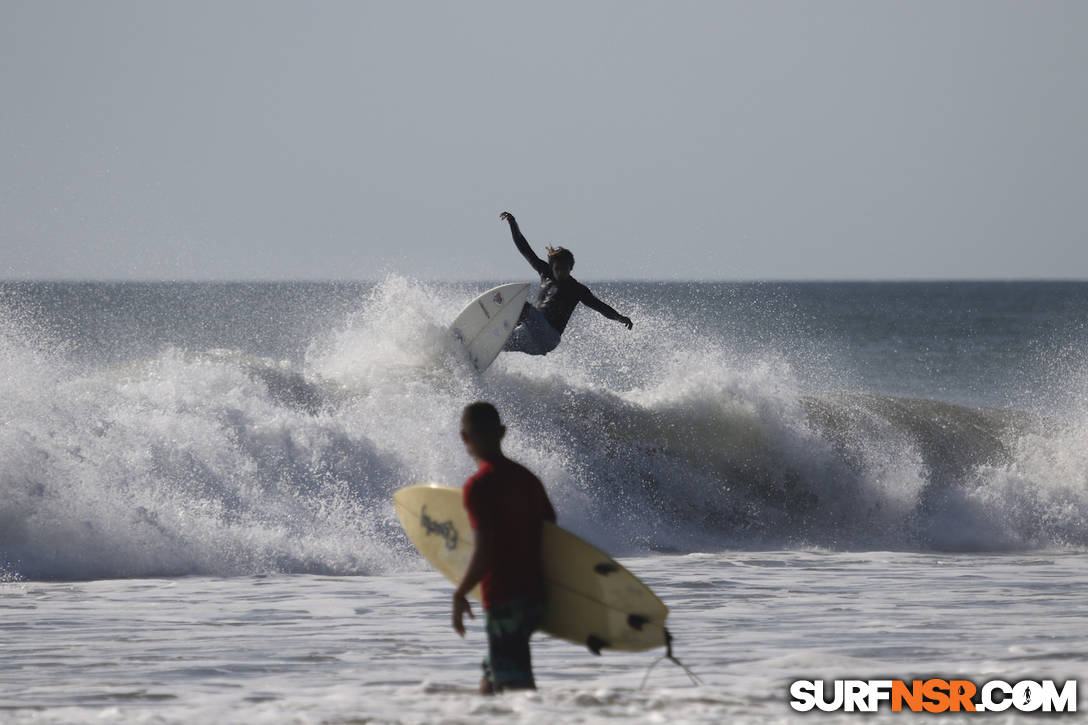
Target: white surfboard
483, 326
592, 599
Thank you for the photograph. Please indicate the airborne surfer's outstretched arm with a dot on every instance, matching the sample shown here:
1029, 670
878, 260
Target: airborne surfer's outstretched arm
591, 301
542, 268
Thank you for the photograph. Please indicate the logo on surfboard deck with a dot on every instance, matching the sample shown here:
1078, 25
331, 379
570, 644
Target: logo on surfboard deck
445, 529
497, 298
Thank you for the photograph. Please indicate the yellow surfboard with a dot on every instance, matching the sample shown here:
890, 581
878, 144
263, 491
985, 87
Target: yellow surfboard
592, 599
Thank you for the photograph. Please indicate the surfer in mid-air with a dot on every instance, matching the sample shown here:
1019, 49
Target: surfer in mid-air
540, 328
507, 507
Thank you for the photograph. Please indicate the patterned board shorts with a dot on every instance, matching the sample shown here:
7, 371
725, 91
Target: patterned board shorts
534, 335
509, 626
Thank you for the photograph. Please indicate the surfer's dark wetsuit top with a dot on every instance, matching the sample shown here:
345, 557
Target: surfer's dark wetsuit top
557, 299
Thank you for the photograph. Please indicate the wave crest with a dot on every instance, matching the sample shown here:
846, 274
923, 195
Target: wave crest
216, 462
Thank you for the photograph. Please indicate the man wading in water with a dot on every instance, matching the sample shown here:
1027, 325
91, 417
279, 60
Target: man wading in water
540, 327
507, 507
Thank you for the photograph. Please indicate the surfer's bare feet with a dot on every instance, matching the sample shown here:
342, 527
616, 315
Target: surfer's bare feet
485, 687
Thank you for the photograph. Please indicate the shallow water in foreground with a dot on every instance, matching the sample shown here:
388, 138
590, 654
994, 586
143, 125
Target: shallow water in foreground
333, 649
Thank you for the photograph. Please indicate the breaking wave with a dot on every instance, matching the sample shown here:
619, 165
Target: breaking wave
217, 462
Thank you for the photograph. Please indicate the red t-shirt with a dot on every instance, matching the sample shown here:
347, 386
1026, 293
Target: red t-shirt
508, 500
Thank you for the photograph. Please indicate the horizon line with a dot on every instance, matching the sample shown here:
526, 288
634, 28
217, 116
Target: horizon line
601, 280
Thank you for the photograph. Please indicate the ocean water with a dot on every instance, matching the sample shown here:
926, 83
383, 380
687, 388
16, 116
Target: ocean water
838, 480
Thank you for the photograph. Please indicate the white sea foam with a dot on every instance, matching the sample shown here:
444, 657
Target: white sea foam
318, 649
217, 462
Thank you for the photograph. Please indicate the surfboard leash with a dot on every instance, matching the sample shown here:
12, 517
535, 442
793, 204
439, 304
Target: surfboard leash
695, 681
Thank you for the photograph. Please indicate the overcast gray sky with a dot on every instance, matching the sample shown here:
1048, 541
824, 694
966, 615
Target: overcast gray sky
730, 140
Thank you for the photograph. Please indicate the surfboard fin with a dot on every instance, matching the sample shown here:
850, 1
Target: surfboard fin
595, 643
635, 621
605, 568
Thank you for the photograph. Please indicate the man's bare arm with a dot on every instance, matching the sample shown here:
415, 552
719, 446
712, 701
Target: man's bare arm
478, 566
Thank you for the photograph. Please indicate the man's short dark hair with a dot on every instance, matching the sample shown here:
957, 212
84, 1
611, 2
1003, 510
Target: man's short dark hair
481, 417
563, 256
